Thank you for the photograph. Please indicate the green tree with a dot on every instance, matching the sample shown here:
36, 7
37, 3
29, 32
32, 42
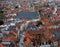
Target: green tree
1, 13
1, 16
39, 23
1, 22
39, 36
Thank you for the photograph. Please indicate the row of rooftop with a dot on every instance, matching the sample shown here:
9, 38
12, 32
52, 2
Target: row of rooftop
21, 28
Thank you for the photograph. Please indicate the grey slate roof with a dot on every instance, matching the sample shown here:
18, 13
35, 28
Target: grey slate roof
58, 7
27, 15
32, 27
56, 33
10, 28
9, 22
56, 22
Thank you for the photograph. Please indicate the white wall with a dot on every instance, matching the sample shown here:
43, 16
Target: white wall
45, 46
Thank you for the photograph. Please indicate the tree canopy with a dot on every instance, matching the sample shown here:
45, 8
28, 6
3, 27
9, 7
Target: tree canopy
1, 22
1, 16
1, 13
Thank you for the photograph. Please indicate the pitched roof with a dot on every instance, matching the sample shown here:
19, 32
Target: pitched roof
32, 27
56, 33
56, 22
27, 15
